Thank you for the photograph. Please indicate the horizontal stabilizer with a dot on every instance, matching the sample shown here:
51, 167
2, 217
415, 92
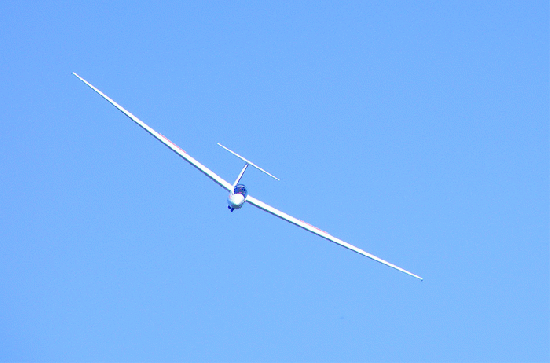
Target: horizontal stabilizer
248, 161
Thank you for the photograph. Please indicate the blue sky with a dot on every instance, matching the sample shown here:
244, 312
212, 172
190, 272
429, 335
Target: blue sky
417, 131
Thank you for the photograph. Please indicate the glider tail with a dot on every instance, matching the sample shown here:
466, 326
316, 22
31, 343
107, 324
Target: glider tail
248, 162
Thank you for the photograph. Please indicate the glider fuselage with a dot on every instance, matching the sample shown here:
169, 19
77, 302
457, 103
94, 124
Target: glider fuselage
237, 197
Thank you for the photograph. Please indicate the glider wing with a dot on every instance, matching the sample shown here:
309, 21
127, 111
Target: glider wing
209, 173
308, 227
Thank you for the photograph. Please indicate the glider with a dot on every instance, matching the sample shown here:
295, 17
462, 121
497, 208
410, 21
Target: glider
238, 194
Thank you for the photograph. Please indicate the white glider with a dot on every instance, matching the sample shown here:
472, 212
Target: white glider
237, 192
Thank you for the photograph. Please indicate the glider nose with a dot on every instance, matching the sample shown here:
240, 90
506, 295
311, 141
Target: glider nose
235, 201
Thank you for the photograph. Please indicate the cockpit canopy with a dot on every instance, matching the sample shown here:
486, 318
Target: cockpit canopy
240, 189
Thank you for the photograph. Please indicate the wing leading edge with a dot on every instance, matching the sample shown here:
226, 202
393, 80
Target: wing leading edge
308, 227
209, 173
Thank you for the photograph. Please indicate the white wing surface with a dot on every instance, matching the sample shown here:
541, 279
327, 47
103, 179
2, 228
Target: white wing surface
308, 227
209, 173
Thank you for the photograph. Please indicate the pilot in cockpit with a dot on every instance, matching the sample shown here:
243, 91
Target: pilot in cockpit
240, 189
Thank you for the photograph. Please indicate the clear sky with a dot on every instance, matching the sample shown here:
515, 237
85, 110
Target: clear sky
417, 131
